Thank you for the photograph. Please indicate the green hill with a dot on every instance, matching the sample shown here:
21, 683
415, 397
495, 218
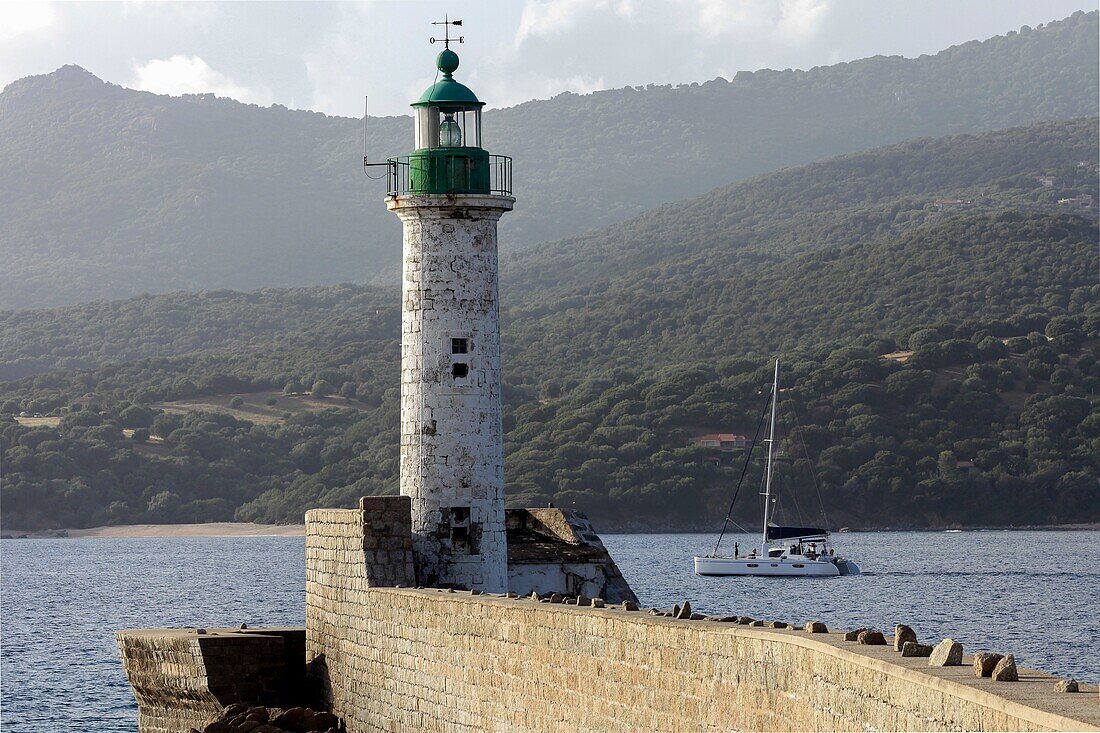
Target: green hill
108, 193
606, 383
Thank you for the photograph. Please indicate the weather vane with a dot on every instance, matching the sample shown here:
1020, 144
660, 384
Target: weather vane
446, 23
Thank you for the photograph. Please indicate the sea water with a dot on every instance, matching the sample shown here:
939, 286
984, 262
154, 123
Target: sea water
1032, 594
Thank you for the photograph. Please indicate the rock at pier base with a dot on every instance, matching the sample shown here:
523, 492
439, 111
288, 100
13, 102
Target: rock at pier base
948, 653
902, 634
1067, 686
239, 718
913, 649
984, 662
1005, 671
853, 635
871, 638
816, 627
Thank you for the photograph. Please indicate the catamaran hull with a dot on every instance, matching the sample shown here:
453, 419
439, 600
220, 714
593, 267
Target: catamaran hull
775, 567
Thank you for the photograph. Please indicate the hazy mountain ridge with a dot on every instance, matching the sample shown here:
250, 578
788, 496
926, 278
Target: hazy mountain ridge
710, 254
123, 192
747, 229
837, 201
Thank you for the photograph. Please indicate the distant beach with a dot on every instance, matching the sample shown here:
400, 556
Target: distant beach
209, 529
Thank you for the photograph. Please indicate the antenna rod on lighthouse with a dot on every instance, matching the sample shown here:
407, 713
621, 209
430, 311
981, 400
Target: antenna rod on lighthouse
366, 161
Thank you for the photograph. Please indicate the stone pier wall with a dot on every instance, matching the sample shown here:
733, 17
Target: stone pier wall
430, 660
409, 659
182, 677
349, 551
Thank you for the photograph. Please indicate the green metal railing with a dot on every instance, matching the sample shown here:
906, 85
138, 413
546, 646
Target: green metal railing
450, 171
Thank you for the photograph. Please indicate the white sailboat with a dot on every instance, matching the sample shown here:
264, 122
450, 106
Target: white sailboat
783, 551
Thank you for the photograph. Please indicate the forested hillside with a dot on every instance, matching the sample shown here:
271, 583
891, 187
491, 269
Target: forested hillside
991, 419
107, 192
983, 424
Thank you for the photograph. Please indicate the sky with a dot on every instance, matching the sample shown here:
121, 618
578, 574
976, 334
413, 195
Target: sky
326, 56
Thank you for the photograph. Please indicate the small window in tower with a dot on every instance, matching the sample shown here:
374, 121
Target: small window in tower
460, 371
460, 528
460, 346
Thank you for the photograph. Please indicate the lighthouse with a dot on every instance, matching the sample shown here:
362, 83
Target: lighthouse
449, 193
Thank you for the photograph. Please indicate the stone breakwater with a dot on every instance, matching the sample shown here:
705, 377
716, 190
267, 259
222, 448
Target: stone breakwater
439, 660
446, 660
184, 677
383, 655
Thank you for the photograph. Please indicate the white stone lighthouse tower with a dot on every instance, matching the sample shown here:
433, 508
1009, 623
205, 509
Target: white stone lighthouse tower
449, 194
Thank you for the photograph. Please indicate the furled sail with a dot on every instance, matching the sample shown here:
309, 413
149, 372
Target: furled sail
782, 533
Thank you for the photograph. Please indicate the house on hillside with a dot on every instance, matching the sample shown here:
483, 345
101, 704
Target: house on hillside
1046, 181
722, 441
722, 448
966, 467
1084, 201
942, 204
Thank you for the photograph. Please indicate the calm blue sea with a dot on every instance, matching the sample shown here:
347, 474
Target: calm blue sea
1034, 594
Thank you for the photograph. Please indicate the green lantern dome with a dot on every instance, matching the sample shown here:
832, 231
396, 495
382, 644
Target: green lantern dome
447, 91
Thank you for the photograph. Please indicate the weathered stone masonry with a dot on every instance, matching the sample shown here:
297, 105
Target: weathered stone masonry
393, 659
437, 661
452, 459
181, 677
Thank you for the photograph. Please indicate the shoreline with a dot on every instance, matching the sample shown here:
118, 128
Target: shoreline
208, 529
251, 529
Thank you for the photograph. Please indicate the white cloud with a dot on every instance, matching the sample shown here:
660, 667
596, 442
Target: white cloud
191, 75
800, 19
788, 21
547, 17
25, 18
716, 17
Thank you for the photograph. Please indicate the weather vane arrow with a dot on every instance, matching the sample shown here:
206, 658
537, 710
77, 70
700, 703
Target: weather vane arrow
446, 39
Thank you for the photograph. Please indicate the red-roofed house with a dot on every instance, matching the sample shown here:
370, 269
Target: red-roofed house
722, 441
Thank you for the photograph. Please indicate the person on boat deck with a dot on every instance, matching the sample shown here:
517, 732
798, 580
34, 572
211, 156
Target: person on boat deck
752, 555
813, 551
737, 549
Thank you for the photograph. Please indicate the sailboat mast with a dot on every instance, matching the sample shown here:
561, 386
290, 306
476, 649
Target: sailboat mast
771, 450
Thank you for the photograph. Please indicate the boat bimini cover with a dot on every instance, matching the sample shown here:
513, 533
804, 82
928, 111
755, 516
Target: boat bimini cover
783, 533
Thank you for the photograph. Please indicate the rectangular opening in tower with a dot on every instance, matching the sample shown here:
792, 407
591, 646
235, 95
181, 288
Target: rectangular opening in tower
460, 346
465, 535
460, 370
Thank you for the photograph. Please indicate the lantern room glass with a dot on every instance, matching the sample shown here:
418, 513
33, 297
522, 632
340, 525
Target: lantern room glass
447, 126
